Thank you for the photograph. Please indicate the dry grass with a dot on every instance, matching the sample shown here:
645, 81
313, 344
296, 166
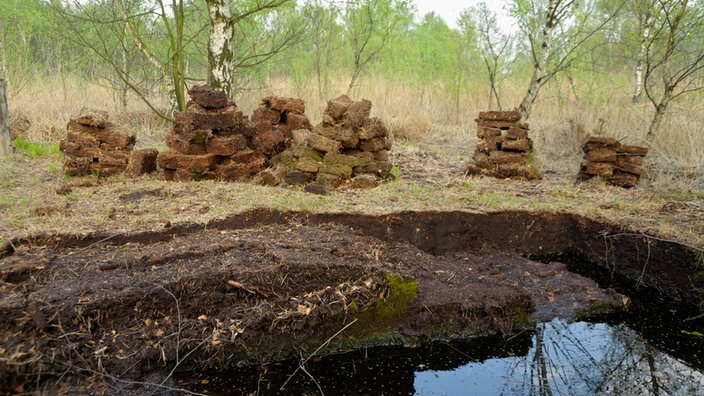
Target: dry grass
433, 141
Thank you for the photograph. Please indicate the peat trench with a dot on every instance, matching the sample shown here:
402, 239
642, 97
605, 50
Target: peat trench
264, 285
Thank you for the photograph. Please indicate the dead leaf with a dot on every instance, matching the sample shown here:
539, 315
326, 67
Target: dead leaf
304, 309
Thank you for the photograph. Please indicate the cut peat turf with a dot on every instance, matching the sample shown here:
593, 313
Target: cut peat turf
266, 285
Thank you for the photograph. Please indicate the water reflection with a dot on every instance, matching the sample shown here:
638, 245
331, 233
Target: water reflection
572, 359
560, 358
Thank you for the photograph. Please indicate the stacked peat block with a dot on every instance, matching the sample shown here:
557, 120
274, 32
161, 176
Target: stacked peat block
142, 161
274, 121
213, 140
503, 146
617, 164
348, 146
207, 140
94, 145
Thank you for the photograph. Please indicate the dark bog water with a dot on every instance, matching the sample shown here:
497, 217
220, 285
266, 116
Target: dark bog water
656, 348
648, 352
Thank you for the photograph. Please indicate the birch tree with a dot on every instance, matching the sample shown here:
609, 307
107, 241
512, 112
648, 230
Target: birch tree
644, 12
5, 139
221, 65
555, 31
674, 59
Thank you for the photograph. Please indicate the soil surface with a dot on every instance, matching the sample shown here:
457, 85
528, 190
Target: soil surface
110, 284
264, 286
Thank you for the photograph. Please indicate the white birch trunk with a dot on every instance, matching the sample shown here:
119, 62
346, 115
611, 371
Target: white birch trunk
644, 40
5, 139
220, 66
538, 78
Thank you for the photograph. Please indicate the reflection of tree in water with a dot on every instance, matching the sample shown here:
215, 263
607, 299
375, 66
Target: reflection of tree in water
565, 359
589, 359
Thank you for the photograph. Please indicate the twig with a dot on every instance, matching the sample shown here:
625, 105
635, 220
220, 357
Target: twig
700, 250
96, 243
251, 290
642, 273
178, 338
303, 368
316, 351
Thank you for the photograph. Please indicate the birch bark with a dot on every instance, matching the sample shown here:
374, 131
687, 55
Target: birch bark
220, 70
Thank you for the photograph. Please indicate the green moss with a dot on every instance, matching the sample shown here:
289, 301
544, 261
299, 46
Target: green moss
311, 153
400, 296
199, 136
531, 158
523, 319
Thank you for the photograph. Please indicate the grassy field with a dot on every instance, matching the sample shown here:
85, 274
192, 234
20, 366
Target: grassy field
434, 139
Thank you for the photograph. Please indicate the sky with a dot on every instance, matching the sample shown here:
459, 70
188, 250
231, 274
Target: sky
449, 10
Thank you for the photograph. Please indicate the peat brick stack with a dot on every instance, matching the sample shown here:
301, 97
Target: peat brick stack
94, 145
503, 146
607, 158
347, 146
213, 140
208, 141
274, 121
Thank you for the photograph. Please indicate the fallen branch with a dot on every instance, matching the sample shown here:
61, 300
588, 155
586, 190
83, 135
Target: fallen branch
251, 290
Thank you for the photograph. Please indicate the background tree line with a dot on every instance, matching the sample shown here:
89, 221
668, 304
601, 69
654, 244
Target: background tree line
156, 48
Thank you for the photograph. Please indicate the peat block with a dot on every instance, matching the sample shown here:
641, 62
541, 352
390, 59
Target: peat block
510, 116
142, 162
285, 105
208, 98
226, 145
92, 118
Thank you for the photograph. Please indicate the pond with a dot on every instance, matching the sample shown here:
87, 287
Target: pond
653, 350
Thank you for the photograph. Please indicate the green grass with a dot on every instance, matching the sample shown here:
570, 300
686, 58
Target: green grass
35, 150
498, 201
55, 168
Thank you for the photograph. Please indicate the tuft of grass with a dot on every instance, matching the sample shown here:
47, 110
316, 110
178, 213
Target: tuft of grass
499, 200
34, 149
55, 168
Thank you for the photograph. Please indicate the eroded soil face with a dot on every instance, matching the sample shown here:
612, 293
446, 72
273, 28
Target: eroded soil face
262, 289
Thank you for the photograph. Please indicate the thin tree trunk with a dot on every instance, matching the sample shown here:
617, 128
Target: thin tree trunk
537, 80
221, 68
644, 40
658, 116
5, 139
667, 77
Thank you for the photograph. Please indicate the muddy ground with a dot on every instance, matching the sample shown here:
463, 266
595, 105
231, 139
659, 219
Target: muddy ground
114, 284
118, 310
